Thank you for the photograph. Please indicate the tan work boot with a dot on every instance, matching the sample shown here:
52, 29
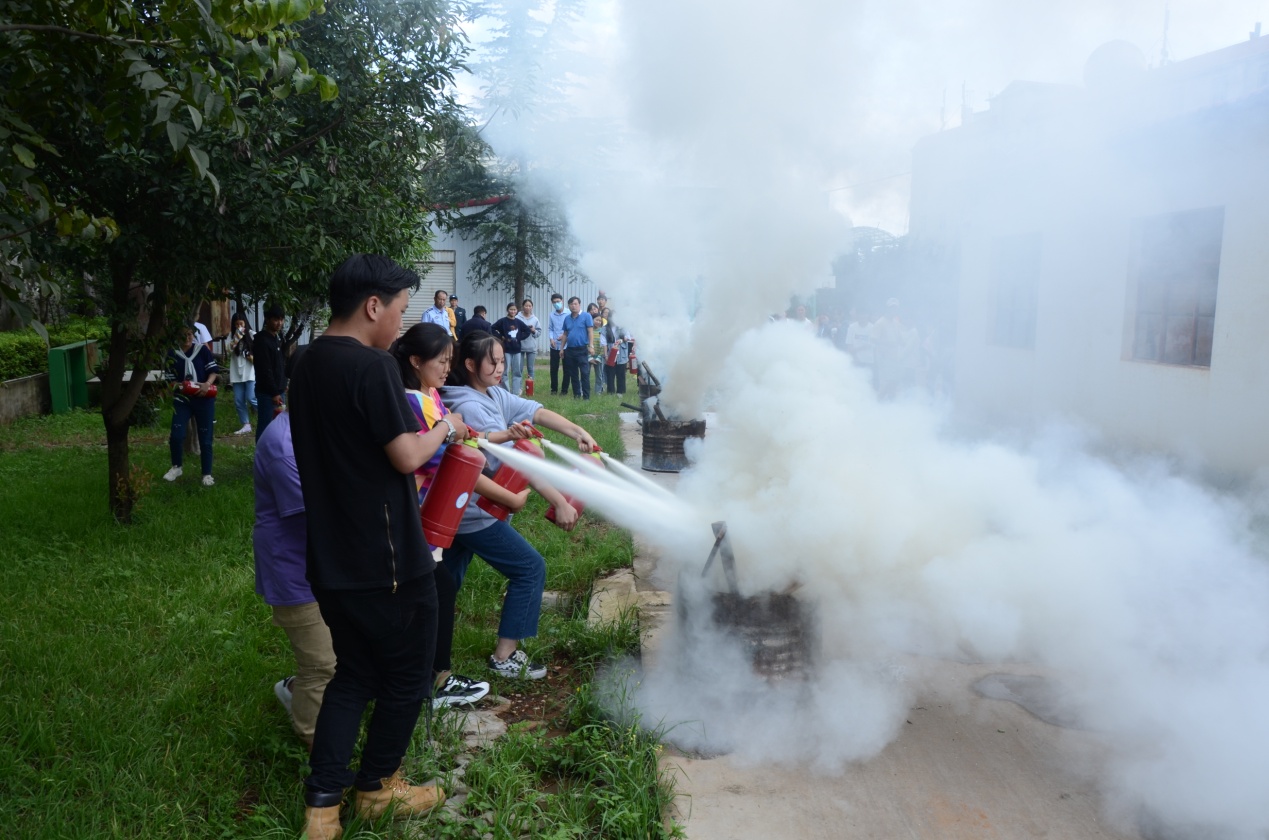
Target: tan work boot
405, 799
322, 823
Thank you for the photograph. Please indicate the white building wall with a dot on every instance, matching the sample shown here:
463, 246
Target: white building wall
1082, 195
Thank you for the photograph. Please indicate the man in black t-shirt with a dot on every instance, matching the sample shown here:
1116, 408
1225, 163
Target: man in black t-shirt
356, 447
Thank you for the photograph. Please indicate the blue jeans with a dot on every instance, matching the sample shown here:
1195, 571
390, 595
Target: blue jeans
502, 547
203, 410
527, 360
511, 379
244, 396
264, 414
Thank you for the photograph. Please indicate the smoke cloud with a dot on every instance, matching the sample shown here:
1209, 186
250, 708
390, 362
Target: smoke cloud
712, 169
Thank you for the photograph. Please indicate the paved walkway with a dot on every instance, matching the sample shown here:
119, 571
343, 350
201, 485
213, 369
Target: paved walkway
964, 766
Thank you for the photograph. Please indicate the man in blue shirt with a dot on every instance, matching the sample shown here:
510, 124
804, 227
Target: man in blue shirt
438, 314
579, 330
555, 332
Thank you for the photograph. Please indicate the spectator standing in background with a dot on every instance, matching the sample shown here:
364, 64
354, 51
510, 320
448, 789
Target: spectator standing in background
242, 371
477, 321
460, 316
617, 342
270, 364
555, 333
438, 313
509, 329
579, 333
528, 340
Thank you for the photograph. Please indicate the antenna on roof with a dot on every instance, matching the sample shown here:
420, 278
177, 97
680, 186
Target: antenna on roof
1255, 33
943, 106
1167, 19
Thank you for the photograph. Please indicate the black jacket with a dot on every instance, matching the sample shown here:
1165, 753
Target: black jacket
270, 364
460, 318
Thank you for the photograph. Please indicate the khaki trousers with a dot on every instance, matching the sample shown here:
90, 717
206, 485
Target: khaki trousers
314, 662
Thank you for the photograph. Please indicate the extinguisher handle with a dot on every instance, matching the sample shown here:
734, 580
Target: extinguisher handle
533, 430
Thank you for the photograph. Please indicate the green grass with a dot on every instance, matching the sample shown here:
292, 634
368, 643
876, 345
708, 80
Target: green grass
137, 664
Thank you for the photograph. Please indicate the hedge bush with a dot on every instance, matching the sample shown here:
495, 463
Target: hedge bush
24, 353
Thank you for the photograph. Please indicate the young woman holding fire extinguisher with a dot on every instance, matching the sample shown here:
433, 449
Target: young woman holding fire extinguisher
494, 412
424, 354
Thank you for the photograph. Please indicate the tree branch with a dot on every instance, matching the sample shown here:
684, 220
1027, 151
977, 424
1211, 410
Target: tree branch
74, 33
312, 138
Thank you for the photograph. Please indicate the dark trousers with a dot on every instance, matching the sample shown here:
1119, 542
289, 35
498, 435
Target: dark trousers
615, 376
384, 643
264, 413
577, 371
446, 604
203, 410
555, 370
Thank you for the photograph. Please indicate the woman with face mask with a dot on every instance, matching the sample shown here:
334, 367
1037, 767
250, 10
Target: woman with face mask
555, 332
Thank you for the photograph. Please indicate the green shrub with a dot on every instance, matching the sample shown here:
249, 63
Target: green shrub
24, 353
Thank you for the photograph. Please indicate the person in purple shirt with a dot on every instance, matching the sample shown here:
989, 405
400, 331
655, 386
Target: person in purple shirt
279, 540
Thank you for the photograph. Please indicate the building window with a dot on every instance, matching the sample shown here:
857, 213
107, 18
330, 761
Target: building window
1176, 265
1015, 275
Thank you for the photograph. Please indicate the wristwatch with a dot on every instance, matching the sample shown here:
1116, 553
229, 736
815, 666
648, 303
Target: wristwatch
453, 432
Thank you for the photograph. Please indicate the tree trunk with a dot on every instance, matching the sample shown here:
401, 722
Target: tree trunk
522, 249
117, 396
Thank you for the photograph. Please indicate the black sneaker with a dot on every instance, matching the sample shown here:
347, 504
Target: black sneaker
459, 691
517, 666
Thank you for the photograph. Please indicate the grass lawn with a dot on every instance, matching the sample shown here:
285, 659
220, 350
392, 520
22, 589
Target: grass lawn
137, 663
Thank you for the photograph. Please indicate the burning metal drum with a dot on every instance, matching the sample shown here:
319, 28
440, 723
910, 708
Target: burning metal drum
663, 442
777, 632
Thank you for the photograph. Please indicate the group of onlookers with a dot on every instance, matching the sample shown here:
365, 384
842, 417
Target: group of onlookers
587, 342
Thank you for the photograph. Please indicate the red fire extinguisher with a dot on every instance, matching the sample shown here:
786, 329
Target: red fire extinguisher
451, 489
528, 385
510, 479
577, 504
634, 363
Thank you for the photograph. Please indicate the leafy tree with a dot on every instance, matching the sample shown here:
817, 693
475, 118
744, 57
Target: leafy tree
301, 181
129, 71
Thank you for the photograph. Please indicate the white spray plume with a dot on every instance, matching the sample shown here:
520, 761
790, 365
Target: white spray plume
1141, 592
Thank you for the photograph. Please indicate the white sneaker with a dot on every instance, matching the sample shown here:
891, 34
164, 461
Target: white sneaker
208, 481
282, 689
173, 474
245, 430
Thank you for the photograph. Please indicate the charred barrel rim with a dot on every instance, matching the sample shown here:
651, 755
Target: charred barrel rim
777, 631
663, 443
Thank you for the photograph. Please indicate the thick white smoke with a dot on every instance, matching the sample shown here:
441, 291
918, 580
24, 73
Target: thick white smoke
711, 171
1140, 591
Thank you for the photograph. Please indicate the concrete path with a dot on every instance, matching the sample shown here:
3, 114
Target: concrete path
964, 766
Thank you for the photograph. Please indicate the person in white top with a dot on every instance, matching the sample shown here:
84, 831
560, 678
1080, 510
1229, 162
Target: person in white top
242, 371
528, 339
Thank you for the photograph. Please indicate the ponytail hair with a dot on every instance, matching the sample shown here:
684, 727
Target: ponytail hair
427, 341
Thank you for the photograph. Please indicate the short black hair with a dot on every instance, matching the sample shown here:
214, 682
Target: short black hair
427, 341
479, 310
363, 276
275, 311
556, 296
574, 298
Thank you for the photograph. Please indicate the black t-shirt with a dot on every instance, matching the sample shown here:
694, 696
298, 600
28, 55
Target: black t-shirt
347, 403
